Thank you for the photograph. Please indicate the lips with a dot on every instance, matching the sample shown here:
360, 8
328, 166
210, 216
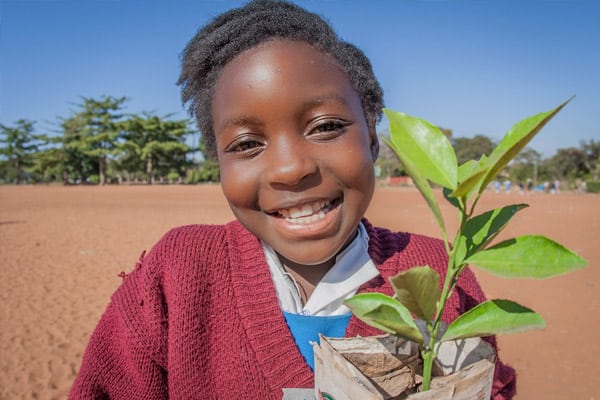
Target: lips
307, 213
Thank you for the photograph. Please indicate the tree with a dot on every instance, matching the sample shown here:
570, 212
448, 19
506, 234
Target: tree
92, 133
591, 157
48, 163
567, 163
18, 150
77, 164
152, 143
526, 165
209, 171
472, 148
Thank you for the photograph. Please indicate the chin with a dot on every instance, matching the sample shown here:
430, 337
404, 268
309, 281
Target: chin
315, 260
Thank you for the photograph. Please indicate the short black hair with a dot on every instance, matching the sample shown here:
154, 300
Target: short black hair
259, 21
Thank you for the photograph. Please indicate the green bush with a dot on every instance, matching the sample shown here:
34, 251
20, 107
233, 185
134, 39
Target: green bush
593, 186
173, 177
209, 171
192, 176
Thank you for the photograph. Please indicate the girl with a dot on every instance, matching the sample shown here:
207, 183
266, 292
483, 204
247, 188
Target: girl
226, 312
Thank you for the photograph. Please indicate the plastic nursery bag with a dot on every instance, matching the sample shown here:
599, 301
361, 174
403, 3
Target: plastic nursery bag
388, 368
299, 394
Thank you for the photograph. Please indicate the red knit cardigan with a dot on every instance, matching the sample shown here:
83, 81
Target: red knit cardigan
198, 318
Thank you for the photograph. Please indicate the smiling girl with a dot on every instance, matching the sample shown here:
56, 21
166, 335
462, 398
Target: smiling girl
227, 312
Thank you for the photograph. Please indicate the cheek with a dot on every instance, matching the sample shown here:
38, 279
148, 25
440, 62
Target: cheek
239, 186
355, 164
360, 177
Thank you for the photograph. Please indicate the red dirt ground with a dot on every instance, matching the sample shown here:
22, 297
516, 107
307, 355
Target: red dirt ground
61, 249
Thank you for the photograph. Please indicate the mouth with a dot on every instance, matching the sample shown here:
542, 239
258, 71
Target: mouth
307, 213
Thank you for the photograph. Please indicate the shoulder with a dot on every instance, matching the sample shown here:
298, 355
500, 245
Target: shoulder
189, 238
188, 235
402, 250
193, 251
395, 252
183, 261
179, 254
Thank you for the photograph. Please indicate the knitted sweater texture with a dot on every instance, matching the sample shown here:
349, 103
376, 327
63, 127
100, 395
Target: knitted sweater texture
199, 318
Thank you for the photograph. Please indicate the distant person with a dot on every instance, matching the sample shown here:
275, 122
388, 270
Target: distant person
497, 186
546, 187
529, 184
507, 185
521, 187
289, 109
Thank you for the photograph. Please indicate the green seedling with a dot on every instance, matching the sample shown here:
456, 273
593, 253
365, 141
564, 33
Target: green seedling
430, 160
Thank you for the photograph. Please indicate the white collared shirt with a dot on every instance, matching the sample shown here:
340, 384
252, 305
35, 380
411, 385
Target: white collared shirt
352, 268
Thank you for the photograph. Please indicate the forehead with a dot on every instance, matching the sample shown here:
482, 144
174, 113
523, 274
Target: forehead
281, 68
278, 51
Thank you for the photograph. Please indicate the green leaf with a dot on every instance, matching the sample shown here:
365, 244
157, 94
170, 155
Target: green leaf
385, 318
452, 200
424, 146
470, 174
530, 256
418, 289
481, 229
493, 317
515, 140
385, 313
467, 169
423, 187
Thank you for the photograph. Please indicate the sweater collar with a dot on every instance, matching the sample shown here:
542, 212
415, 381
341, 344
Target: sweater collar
276, 353
275, 350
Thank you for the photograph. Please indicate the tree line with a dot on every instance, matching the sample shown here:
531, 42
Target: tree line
575, 166
99, 143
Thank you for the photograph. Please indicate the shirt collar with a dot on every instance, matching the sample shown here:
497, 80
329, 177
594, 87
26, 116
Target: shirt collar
352, 268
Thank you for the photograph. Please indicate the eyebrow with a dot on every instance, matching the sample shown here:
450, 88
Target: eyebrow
244, 120
241, 121
328, 98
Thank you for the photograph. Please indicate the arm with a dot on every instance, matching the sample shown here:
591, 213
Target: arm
123, 356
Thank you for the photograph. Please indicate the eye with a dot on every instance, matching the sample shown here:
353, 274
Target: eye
245, 147
329, 128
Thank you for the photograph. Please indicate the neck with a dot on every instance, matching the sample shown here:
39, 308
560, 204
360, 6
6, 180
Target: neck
306, 276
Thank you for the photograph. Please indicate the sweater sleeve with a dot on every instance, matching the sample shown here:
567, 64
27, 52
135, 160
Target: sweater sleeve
123, 359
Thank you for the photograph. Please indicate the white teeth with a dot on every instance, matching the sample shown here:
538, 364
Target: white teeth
307, 213
308, 219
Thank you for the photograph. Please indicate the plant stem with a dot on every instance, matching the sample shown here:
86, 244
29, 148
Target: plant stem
428, 356
429, 352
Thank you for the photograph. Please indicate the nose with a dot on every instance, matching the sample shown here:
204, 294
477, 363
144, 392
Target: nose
291, 162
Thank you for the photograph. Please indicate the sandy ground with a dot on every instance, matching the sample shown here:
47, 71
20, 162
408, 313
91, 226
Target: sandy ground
62, 248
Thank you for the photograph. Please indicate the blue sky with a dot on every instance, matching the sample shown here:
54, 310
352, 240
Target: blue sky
476, 67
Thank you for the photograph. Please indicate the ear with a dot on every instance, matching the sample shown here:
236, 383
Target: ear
374, 144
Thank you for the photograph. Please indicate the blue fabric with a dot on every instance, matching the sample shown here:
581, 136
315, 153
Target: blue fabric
306, 329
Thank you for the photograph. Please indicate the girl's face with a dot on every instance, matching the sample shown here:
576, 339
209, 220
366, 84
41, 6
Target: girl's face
295, 153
